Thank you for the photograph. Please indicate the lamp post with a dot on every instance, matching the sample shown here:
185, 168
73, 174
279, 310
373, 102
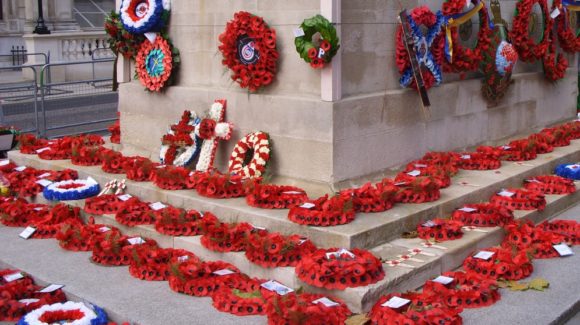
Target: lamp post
40, 26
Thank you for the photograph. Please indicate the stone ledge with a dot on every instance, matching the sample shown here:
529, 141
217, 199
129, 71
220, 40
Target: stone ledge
360, 298
367, 230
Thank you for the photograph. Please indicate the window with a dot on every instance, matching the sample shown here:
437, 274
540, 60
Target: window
90, 14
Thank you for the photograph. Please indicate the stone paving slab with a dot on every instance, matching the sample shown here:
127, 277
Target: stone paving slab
560, 302
122, 296
368, 229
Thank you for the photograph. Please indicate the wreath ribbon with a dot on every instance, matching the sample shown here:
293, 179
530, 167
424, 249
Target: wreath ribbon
569, 5
455, 21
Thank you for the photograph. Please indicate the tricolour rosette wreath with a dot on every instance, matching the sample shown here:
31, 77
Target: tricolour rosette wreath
571, 171
71, 190
73, 313
144, 16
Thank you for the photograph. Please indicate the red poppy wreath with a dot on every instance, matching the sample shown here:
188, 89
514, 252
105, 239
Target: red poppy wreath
248, 46
528, 50
463, 58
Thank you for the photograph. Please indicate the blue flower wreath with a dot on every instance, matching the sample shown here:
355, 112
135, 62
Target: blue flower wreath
425, 41
571, 171
89, 188
143, 16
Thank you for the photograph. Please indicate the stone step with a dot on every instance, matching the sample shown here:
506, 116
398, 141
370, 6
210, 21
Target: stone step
368, 229
123, 297
396, 279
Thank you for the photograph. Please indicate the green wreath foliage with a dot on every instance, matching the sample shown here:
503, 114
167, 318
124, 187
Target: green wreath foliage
329, 42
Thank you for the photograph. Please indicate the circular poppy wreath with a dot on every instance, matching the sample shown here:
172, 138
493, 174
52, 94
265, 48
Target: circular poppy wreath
467, 290
551, 184
139, 169
324, 211
135, 212
420, 310
528, 50
321, 52
483, 215
431, 45
270, 196
555, 64
568, 39
144, 16
504, 264
155, 62
250, 155
440, 230
69, 312
478, 161
571, 171
248, 46
340, 269
71, 190
311, 308
463, 58
519, 199
544, 142
372, 198
524, 236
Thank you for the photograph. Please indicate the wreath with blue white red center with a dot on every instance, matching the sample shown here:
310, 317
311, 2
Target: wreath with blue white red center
428, 47
72, 313
71, 190
144, 16
155, 63
181, 146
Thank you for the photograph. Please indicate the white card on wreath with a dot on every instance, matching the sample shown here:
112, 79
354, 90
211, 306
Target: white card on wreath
26, 233
20, 168
444, 280
396, 302
467, 209
563, 250
277, 287
13, 277
29, 301
484, 255
136, 241
157, 206
44, 175
325, 301
51, 288
124, 197
43, 182
506, 193
308, 205
4, 162
223, 272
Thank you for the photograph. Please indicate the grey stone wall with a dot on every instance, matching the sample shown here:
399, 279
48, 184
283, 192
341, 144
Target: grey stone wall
375, 126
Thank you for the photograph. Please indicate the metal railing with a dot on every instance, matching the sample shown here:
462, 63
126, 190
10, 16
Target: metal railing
79, 96
86, 88
19, 93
